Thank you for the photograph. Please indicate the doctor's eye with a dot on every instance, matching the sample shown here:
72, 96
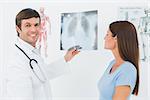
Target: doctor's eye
27, 25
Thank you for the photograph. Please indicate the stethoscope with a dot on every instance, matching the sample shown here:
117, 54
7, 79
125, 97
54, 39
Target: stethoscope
40, 77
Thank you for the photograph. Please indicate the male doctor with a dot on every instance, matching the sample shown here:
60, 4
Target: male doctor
27, 76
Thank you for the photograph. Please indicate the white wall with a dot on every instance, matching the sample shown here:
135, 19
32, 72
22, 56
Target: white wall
149, 63
88, 66
1, 56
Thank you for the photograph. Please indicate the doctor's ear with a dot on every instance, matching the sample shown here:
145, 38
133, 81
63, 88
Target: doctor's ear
18, 29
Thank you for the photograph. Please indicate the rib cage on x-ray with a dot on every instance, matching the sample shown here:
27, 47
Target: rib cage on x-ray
79, 29
74, 23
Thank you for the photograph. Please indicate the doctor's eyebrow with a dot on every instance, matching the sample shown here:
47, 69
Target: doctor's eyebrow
37, 24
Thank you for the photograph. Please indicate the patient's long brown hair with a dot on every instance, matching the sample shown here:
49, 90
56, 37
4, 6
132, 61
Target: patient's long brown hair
127, 45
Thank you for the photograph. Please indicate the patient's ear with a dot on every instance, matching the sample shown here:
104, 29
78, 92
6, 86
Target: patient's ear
115, 38
116, 43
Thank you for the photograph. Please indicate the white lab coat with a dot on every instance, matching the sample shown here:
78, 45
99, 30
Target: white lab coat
21, 82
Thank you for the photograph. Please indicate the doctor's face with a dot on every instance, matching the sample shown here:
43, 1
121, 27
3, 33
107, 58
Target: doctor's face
110, 41
29, 30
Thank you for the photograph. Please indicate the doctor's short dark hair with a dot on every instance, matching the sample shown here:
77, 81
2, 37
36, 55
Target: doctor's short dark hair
26, 14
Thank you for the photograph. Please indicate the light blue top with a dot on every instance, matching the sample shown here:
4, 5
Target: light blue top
125, 74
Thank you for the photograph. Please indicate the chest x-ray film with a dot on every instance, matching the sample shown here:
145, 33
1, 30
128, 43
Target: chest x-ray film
140, 17
79, 29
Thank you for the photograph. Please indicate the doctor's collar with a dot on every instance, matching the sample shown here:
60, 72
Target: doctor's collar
26, 46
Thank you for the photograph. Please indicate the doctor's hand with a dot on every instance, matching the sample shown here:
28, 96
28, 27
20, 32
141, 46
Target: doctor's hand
70, 54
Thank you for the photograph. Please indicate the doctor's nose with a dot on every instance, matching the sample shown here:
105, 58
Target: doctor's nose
33, 29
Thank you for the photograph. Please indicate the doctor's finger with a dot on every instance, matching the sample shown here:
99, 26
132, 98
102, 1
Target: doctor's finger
75, 52
72, 50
